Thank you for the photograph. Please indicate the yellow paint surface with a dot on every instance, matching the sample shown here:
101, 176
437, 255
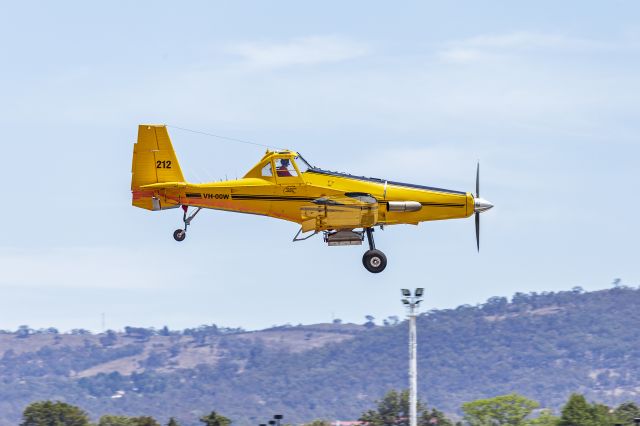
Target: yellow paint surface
316, 199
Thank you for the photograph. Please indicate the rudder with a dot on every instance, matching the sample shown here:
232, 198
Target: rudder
154, 161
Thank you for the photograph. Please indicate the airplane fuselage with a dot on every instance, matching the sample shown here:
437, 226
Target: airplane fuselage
284, 200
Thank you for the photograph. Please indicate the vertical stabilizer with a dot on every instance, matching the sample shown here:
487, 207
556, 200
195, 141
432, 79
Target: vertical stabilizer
154, 161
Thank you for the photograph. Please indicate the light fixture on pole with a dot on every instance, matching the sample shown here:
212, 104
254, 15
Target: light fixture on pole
412, 302
277, 418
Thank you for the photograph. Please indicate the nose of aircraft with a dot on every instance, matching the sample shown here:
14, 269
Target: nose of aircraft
481, 205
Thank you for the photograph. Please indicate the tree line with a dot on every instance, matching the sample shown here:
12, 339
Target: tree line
24, 331
50, 413
504, 410
391, 410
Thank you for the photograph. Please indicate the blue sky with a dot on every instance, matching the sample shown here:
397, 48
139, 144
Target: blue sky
544, 94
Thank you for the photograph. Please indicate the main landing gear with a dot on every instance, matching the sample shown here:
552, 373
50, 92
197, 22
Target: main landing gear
181, 234
373, 260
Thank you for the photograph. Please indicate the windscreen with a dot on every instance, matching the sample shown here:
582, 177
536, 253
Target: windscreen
302, 164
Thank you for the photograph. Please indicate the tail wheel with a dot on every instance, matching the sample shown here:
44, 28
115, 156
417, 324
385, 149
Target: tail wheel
374, 261
179, 234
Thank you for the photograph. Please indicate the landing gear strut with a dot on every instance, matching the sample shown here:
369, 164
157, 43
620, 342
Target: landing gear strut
373, 260
181, 234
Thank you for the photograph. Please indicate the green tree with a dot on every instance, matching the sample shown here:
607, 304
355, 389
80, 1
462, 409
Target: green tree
510, 410
172, 421
578, 412
602, 414
110, 338
48, 413
24, 331
433, 417
145, 421
626, 412
215, 419
545, 418
369, 323
110, 420
393, 409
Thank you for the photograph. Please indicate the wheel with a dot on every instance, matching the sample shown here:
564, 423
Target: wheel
374, 261
179, 235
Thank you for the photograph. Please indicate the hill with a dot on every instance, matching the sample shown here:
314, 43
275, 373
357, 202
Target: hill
544, 346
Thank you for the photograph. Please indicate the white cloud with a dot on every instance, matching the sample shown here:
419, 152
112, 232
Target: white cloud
480, 47
526, 40
461, 55
299, 51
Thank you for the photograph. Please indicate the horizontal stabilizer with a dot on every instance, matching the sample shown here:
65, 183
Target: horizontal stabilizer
165, 185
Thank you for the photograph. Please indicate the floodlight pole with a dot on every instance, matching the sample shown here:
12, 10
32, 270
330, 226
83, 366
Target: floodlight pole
413, 368
411, 301
277, 418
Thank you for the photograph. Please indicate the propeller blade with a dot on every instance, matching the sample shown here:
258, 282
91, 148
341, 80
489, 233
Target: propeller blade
478, 230
478, 180
477, 213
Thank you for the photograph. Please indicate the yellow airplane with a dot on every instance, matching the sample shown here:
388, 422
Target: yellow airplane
285, 186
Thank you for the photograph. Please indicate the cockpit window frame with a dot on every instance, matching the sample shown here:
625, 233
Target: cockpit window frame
270, 163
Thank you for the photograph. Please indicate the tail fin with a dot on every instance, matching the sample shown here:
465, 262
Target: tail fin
154, 161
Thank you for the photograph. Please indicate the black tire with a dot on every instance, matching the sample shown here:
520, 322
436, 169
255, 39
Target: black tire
179, 234
374, 261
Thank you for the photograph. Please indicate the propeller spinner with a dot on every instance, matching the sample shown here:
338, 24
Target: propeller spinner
480, 205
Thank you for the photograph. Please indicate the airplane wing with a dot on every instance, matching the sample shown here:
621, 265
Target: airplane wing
348, 211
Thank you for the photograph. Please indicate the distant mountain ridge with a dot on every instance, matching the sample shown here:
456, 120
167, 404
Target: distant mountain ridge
544, 346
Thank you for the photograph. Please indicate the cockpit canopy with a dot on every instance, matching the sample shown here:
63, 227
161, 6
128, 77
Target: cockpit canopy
280, 164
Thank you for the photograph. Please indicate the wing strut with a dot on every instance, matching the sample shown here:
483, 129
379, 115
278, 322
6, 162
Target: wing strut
295, 238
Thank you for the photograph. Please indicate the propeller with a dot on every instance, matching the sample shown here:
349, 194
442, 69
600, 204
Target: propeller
477, 212
480, 205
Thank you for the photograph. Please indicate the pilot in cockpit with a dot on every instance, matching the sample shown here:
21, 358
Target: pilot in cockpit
283, 168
